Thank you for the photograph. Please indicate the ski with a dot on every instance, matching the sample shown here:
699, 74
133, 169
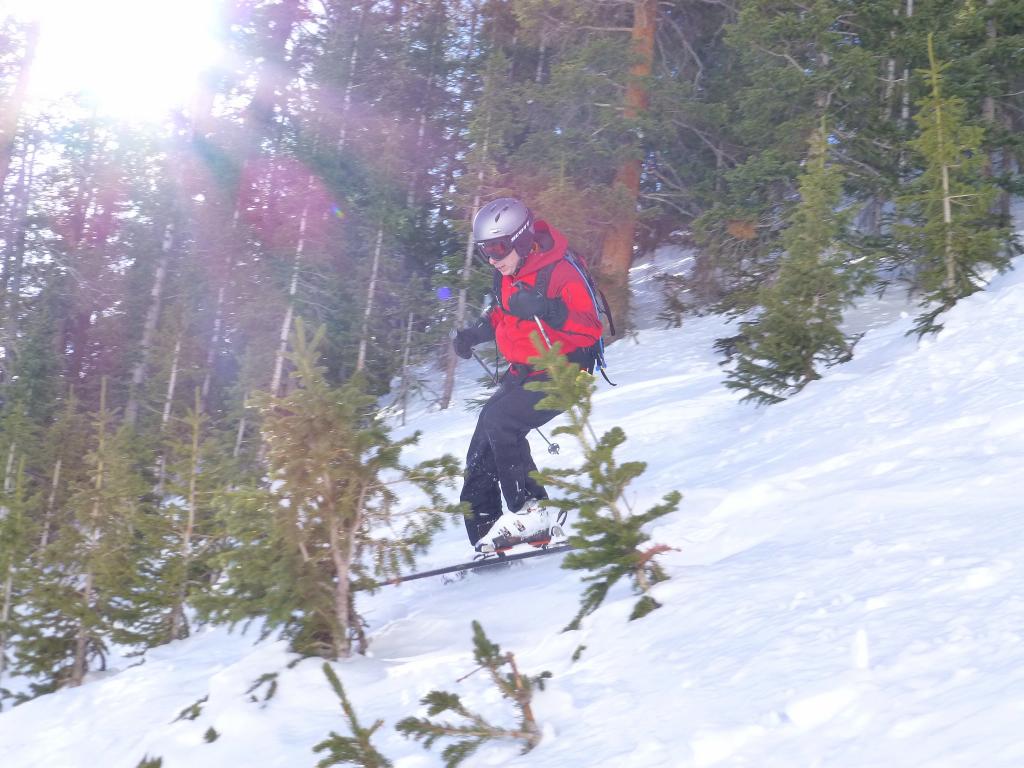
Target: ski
473, 565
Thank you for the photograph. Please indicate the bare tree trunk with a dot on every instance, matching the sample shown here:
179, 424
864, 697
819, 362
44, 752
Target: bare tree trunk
341, 538
11, 279
240, 434
341, 555
7, 603
172, 383
451, 360
165, 417
353, 61
79, 323
80, 663
406, 348
293, 287
5, 616
617, 247
905, 106
996, 159
11, 109
179, 623
259, 116
51, 505
371, 291
890, 84
131, 409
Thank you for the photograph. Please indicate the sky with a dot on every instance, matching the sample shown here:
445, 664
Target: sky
135, 59
847, 588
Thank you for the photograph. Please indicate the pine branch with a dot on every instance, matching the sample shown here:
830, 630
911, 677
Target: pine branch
608, 540
349, 750
512, 685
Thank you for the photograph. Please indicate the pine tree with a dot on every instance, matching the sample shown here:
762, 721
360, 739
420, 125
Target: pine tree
185, 529
608, 539
350, 750
513, 686
85, 593
787, 66
954, 234
16, 546
798, 329
332, 514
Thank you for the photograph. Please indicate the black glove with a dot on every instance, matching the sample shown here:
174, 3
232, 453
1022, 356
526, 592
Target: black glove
529, 303
464, 340
463, 343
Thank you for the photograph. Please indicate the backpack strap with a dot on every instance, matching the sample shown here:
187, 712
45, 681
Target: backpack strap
594, 291
543, 280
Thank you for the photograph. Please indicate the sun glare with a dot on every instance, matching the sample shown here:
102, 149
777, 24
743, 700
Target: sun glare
134, 59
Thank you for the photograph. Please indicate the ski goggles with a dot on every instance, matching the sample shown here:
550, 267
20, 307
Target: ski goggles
495, 249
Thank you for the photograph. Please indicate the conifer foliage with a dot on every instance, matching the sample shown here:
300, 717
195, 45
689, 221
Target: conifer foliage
609, 540
89, 588
334, 471
350, 750
798, 329
950, 204
513, 686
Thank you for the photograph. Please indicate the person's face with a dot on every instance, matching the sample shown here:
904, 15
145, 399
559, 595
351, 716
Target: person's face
500, 254
506, 265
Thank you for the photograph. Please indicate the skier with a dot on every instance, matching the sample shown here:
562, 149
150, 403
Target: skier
539, 293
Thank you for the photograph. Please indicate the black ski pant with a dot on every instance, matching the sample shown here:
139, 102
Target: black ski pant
499, 455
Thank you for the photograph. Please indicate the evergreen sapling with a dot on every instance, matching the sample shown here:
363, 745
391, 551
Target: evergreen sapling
89, 589
349, 750
513, 686
332, 522
798, 329
952, 228
15, 549
609, 542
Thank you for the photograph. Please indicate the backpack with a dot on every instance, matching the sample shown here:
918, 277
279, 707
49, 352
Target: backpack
590, 357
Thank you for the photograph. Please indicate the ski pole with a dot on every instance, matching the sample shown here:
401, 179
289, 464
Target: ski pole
485, 366
543, 333
552, 447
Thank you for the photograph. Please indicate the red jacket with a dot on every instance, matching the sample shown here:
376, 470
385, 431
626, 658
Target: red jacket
582, 327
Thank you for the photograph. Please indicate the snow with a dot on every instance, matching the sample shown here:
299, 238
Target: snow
846, 590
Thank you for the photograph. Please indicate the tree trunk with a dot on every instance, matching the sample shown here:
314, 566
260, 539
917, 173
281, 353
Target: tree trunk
240, 433
131, 409
905, 106
51, 505
172, 383
406, 350
5, 616
353, 61
165, 417
11, 279
451, 359
364, 334
179, 623
293, 288
341, 556
996, 160
88, 592
11, 109
949, 252
259, 116
617, 247
7, 603
78, 323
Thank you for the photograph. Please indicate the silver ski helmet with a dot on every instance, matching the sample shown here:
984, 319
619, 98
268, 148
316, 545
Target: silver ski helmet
501, 226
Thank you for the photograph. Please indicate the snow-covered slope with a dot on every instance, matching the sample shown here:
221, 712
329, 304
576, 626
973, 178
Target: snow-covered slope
847, 590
